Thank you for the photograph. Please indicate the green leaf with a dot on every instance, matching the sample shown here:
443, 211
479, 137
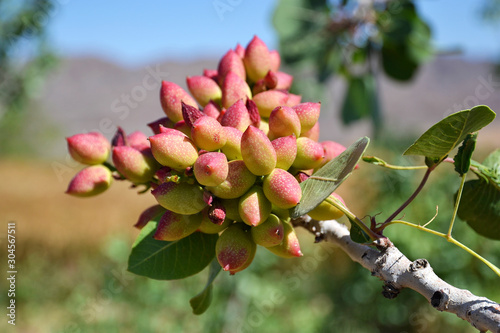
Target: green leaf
437, 142
357, 234
480, 207
396, 61
323, 182
201, 302
492, 162
361, 100
164, 260
490, 169
464, 154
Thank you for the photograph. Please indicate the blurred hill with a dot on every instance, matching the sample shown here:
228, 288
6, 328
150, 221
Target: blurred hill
86, 94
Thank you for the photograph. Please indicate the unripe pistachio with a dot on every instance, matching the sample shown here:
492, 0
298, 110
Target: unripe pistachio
264, 126
183, 127
147, 215
267, 100
212, 74
204, 89
190, 114
211, 110
138, 140
216, 212
233, 89
259, 87
232, 148
211, 169
207, 134
181, 198
239, 180
235, 249
253, 111
286, 151
207, 227
89, 148
269, 233
290, 246
171, 96
237, 116
325, 211
283, 121
308, 114
174, 150
231, 62
137, 166
274, 60
257, 151
232, 209
240, 50
90, 181
284, 80
309, 154
283, 214
302, 175
293, 100
271, 80
282, 189
254, 207
331, 149
164, 174
173, 226
173, 130
257, 60
165, 122
120, 138
313, 133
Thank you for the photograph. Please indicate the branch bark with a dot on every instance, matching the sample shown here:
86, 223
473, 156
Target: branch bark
397, 272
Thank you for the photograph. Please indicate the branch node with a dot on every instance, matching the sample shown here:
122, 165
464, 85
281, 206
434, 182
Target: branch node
440, 300
390, 291
382, 243
318, 237
418, 264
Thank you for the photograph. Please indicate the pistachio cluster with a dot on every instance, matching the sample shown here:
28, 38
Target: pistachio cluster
227, 158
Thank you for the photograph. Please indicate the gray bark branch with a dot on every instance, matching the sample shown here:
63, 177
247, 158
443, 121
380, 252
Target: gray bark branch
397, 272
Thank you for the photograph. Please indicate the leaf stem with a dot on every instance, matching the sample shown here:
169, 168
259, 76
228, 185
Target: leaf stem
380, 162
457, 202
410, 199
451, 240
337, 204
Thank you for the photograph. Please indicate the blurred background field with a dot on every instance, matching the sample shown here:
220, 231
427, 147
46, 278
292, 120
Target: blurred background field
72, 253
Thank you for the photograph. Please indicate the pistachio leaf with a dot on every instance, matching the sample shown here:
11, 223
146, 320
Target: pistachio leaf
438, 141
323, 182
202, 300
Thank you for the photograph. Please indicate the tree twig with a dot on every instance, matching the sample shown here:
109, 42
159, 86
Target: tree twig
398, 272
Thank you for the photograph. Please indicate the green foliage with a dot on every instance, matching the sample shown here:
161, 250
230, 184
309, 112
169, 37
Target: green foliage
438, 141
22, 28
480, 207
322, 183
361, 100
202, 300
480, 202
164, 260
464, 154
357, 234
347, 38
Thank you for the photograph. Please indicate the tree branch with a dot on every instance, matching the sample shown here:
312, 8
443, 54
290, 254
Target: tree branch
398, 272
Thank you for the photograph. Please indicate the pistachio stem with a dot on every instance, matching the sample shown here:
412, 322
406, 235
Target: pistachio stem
337, 204
451, 240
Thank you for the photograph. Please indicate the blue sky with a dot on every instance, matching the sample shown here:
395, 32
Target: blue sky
135, 33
